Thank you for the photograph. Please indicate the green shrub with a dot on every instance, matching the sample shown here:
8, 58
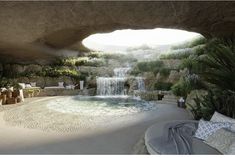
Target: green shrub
182, 88
219, 74
149, 66
95, 63
69, 62
60, 71
143, 66
165, 86
182, 53
81, 61
91, 84
90, 60
120, 57
111, 56
164, 72
135, 71
177, 54
198, 110
64, 61
190, 63
94, 55
221, 101
28, 74
199, 50
6, 82
197, 41
81, 77
156, 70
219, 63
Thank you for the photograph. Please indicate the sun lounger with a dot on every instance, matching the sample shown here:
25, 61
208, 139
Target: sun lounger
157, 130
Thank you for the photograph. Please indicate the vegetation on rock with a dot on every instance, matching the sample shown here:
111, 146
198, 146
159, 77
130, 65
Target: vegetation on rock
165, 86
219, 79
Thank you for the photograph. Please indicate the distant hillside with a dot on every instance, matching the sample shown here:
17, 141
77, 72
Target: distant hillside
107, 48
146, 53
143, 52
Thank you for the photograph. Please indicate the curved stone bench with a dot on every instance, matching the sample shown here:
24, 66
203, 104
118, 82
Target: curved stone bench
156, 130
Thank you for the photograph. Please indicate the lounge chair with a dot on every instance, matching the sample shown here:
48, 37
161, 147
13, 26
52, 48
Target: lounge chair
157, 130
60, 86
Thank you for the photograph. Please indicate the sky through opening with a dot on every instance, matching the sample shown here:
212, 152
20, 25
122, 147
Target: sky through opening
136, 38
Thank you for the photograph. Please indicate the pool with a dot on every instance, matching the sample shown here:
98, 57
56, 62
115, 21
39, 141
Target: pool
100, 106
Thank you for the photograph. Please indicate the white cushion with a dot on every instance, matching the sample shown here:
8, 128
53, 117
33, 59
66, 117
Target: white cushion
3, 89
70, 87
61, 84
28, 86
222, 140
207, 128
217, 117
22, 85
231, 149
11, 89
33, 84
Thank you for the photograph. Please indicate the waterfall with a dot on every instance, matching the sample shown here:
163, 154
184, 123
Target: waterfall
107, 86
112, 85
121, 72
140, 83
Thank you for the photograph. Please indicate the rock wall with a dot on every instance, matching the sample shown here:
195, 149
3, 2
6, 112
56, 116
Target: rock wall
30, 31
97, 71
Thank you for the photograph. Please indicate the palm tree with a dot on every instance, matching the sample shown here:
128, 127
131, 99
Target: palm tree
220, 64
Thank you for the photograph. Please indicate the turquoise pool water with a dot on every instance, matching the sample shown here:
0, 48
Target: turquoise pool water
100, 106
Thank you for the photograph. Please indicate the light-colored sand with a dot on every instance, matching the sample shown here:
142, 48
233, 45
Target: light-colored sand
119, 136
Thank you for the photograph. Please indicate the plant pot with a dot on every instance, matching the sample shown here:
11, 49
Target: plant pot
21, 95
15, 93
18, 100
160, 96
9, 94
81, 84
4, 99
11, 100
181, 104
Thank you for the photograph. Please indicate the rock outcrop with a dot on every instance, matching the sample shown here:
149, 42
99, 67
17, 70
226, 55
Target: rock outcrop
37, 31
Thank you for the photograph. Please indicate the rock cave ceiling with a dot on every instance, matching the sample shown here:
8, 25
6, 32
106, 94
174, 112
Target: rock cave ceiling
37, 31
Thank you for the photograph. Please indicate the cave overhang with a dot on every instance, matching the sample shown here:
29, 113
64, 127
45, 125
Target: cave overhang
39, 30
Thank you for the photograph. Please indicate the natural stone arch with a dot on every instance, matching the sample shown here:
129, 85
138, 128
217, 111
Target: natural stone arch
37, 28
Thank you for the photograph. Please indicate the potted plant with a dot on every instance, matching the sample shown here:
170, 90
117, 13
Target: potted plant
0, 98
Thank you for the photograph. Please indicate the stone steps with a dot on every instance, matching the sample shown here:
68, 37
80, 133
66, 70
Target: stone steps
167, 102
169, 99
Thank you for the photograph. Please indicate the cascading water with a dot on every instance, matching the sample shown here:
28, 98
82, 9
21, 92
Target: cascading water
140, 84
107, 86
110, 86
121, 72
